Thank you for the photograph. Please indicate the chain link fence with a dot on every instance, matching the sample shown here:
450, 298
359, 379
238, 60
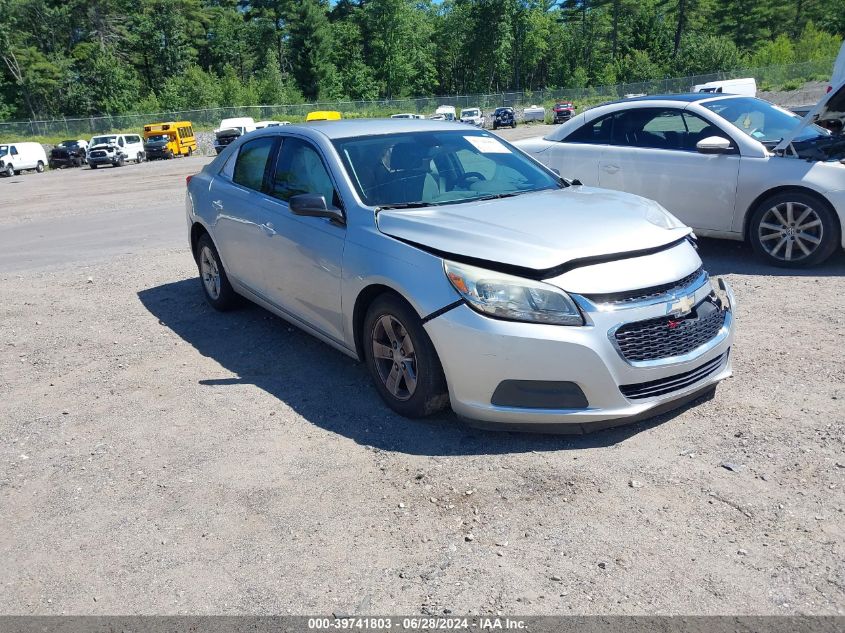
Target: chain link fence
781, 77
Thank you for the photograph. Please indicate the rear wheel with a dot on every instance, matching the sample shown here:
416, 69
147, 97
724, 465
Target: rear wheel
40, 167
215, 283
794, 229
402, 360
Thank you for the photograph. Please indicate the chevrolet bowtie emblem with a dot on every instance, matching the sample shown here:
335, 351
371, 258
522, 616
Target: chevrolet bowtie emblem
683, 305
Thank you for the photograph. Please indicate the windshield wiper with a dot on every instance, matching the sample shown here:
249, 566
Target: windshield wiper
403, 205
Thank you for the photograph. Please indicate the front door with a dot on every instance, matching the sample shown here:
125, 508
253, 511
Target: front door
653, 154
303, 256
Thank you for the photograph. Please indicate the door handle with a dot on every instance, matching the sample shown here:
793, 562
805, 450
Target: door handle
611, 169
268, 229
217, 204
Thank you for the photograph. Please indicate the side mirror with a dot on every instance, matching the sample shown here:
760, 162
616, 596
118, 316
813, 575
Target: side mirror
713, 145
313, 205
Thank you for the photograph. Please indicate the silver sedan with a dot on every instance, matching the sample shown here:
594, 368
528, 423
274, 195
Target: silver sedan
463, 273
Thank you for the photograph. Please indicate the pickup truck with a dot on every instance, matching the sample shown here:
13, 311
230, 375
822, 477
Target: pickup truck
231, 129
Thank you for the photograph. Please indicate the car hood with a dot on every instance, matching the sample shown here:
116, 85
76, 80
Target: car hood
106, 146
538, 231
228, 131
830, 106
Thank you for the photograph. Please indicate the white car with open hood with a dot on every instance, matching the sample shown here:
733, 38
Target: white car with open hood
462, 272
732, 167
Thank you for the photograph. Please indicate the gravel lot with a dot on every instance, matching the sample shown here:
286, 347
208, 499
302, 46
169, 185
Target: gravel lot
158, 457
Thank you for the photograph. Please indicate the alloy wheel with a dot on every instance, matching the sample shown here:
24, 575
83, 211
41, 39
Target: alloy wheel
210, 273
394, 356
790, 231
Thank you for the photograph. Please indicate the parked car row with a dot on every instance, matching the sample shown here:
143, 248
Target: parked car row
159, 141
462, 273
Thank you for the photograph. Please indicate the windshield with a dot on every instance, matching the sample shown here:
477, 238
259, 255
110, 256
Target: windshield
469, 112
69, 144
761, 120
4, 149
158, 138
431, 168
103, 140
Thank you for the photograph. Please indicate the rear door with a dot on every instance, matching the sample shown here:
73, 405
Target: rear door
653, 154
236, 196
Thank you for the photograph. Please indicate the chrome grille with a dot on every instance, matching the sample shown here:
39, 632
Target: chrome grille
665, 337
98, 154
660, 387
644, 294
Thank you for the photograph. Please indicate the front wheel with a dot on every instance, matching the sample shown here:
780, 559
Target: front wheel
93, 165
402, 360
215, 283
794, 229
9, 171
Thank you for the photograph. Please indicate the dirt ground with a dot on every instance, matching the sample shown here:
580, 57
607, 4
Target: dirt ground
157, 457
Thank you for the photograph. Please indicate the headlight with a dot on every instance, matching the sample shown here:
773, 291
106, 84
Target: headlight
514, 298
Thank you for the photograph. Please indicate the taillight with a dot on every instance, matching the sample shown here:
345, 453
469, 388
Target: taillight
188, 180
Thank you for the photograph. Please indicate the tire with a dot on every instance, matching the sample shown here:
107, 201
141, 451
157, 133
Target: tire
793, 230
93, 165
120, 162
215, 284
52, 165
140, 158
190, 152
9, 171
40, 167
415, 387
495, 126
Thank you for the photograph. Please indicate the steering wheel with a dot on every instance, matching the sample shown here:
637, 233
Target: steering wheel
471, 175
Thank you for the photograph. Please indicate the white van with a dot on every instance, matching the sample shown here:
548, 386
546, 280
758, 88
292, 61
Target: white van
746, 87
115, 150
15, 157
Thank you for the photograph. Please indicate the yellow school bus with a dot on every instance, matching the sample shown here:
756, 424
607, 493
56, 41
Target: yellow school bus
322, 115
166, 140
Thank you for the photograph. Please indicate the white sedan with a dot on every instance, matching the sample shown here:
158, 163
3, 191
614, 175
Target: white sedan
731, 167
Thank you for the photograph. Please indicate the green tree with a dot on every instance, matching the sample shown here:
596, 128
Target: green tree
308, 32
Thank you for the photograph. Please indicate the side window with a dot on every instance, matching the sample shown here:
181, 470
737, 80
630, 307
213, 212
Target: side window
14, 151
300, 169
252, 161
698, 129
657, 128
120, 141
595, 132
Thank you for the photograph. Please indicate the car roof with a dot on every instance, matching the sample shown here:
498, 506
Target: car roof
690, 97
346, 128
